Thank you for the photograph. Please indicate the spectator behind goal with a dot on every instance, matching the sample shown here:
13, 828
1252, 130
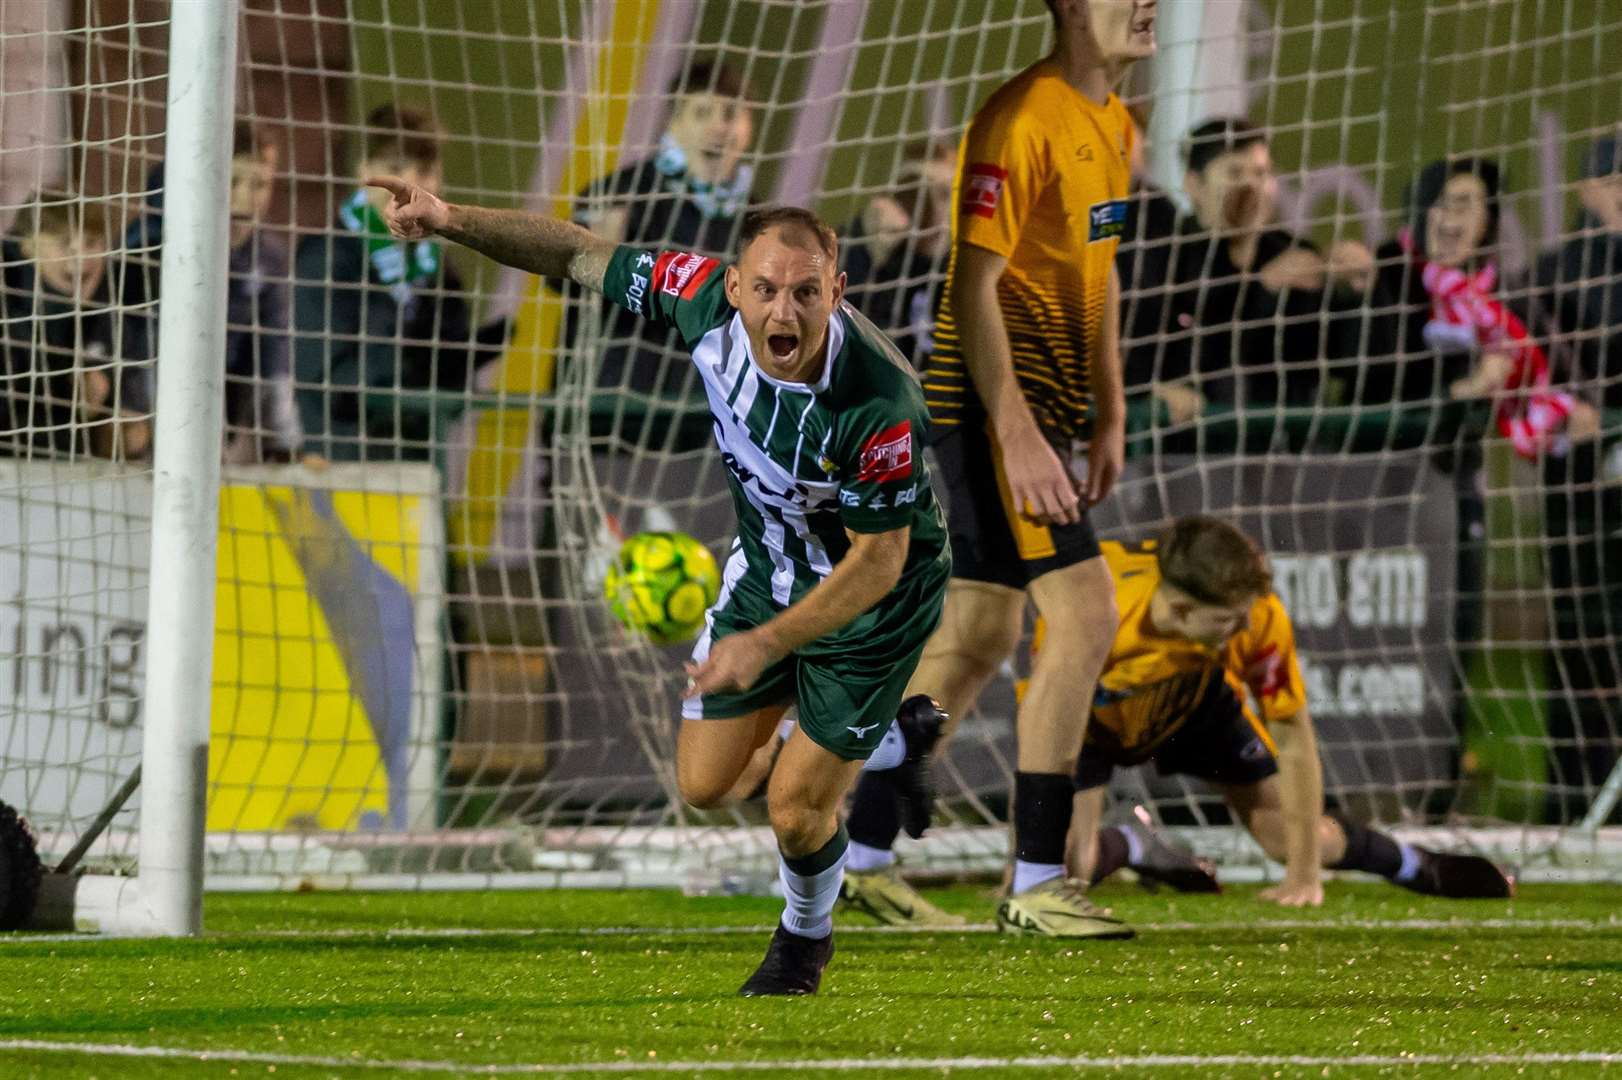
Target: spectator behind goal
1579, 290
372, 314
689, 196
1245, 317
71, 380
261, 421
1452, 225
895, 249
1144, 261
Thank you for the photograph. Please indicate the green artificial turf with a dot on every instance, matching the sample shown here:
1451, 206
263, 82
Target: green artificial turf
355, 977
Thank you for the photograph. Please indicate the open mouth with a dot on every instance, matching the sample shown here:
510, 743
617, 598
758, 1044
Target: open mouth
782, 346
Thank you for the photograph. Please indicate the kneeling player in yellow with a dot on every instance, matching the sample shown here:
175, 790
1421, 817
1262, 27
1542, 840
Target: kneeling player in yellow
1202, 637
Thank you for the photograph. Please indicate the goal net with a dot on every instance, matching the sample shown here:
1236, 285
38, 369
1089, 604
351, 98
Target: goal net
428, 461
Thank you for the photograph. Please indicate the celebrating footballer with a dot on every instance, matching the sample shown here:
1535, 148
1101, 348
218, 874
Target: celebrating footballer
839, 569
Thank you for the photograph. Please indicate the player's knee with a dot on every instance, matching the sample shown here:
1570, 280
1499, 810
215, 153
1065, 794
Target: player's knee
979, 643
799, 829
700, 788
1082, 630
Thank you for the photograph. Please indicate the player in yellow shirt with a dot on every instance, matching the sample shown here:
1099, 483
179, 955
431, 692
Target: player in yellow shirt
1025, 368
1203, 681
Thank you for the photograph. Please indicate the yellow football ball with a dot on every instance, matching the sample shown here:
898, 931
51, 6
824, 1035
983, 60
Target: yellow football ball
661, 584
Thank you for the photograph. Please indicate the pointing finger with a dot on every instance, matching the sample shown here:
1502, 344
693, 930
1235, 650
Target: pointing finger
392, 184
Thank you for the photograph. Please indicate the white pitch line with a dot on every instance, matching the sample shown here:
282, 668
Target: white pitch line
805, 1065
340, 934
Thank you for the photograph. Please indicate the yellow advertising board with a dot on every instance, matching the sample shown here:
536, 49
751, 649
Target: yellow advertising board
320, 680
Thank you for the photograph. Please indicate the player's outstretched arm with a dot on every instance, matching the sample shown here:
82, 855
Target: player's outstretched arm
867, 573
1301, 791
534, 242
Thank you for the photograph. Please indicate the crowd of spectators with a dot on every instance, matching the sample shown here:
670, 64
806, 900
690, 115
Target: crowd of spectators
338, 352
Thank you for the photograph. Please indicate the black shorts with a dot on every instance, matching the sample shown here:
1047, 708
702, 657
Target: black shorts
990, 541
1216, 742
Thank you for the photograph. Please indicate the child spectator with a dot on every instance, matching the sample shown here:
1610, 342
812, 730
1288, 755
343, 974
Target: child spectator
71, 382
261, 421
372, 314
690, 196
1455, 336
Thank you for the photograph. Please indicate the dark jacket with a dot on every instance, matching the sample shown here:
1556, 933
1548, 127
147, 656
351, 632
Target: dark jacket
663, 211
1578, 290
357, 339
258, 362
258, 369
1241, 342
1144, 262
1404, 368
44, 336
898, 294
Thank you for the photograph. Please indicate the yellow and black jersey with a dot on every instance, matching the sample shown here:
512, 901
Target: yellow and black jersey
1151, 683
1042, 180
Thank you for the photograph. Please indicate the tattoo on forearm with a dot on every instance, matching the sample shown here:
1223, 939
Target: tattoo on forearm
542, 245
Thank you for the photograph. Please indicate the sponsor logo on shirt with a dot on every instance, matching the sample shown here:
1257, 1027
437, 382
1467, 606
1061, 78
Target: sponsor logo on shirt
681, 273
1266, 674
982, 187
635, 292
1106, 220
888, 455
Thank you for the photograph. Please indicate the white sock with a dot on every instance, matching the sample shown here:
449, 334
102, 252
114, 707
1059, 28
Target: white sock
1410, 863
1134, 844
892, 751
1028, 875
860, 859
809, 898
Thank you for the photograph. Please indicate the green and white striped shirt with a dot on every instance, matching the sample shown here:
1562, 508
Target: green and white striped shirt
805, 462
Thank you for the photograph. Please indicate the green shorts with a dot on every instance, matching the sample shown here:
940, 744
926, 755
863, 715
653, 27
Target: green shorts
846, 697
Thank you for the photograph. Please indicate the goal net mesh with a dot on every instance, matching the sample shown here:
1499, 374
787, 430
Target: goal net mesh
429, 460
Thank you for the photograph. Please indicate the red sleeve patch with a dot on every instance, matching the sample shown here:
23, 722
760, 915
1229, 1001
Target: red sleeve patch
1266, 674
681, 273
982, 187
888, 455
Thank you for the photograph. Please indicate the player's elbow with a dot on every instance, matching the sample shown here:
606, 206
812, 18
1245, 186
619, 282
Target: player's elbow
974, 281
883, 560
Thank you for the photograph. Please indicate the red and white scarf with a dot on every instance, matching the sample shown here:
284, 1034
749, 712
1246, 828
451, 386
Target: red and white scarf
1528, 413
